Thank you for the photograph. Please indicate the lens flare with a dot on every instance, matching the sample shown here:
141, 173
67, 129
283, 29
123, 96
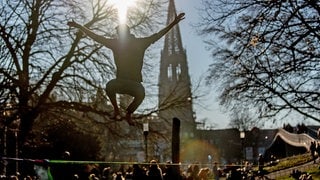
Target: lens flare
198, 151
122, 8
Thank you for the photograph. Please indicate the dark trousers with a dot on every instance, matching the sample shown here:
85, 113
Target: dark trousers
129, 87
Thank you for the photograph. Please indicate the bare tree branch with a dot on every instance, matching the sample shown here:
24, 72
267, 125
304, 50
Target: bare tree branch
267, 57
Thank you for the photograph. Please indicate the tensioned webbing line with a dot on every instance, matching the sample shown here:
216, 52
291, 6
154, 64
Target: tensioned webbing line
47, 161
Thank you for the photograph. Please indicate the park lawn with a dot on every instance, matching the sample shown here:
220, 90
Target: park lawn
314, 172
294, 161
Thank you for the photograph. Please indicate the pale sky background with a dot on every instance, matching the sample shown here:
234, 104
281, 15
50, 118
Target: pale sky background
199, 60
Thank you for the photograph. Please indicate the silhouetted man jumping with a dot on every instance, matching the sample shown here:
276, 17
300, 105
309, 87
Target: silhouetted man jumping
128, 52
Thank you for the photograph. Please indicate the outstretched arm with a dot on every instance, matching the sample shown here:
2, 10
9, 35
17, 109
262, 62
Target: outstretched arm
94, 36
173, 23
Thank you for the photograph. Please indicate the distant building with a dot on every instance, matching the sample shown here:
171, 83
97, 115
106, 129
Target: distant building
229, 147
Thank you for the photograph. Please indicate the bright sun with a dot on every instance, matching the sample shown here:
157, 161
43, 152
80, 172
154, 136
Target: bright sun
122, 7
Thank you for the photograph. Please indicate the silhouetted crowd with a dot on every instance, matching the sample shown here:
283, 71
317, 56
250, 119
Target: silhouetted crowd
149, 171
299, 129
153, 171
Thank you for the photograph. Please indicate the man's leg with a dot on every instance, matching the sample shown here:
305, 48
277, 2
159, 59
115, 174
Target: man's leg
111, 88
137, 91
132, 88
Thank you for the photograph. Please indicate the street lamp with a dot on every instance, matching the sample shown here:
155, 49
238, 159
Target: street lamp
242, 137
210, 160
145, 133
16, 131
10, 116
6, 114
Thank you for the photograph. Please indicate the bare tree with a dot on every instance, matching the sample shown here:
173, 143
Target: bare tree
242, 120
267, 58
46, 68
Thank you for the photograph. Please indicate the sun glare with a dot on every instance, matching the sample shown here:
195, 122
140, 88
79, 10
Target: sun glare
122, 7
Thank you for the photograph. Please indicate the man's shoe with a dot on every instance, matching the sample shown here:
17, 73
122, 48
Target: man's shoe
117, 117
129, 119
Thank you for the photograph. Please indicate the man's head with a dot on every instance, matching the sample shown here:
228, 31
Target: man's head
123, 30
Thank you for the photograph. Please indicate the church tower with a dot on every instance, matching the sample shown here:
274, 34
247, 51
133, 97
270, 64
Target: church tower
175, 97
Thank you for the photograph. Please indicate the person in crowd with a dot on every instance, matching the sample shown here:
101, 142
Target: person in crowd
313, 148
318, 149
118, 176
196, 170
189, 173
172, 172
75, 177
215, 171
204, 173
93, 177
138, 173
154, 172
106, 173
260, 162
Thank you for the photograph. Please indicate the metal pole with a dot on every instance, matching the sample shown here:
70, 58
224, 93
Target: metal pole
146, 145
145, 133
5, 149
176, 144
175, 140
17, 150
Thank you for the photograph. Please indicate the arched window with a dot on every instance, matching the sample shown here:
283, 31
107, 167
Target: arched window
170, 72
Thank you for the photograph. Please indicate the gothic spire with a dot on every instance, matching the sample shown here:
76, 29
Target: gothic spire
173, 42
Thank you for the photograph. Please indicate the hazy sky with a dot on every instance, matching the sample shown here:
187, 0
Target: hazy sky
199, 59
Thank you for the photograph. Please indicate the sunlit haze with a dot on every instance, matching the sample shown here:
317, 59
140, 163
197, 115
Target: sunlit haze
122, 8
